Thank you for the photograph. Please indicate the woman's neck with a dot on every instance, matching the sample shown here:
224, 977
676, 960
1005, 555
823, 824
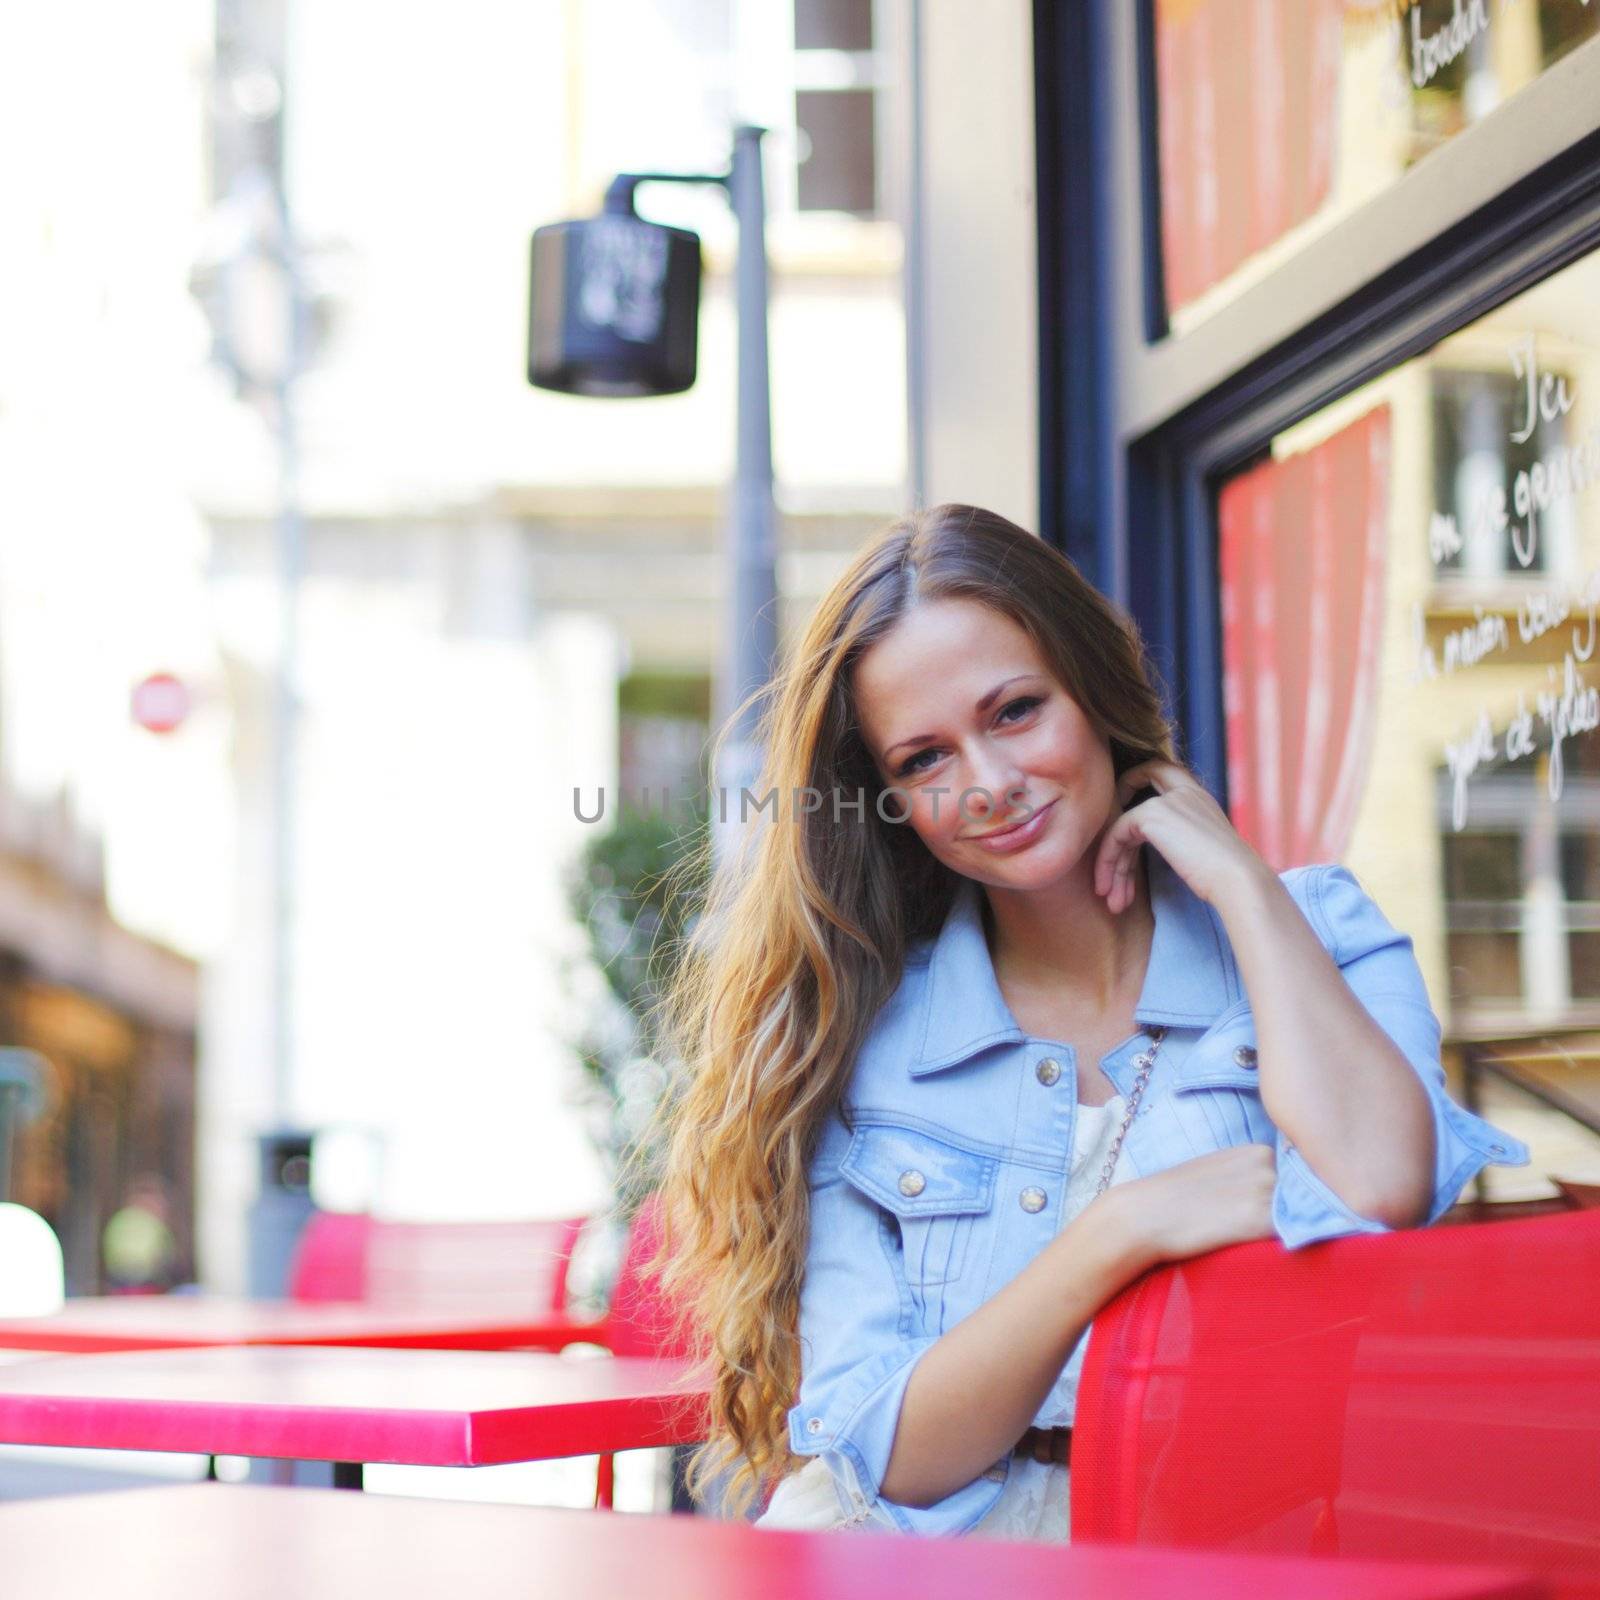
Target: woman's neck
1064, 941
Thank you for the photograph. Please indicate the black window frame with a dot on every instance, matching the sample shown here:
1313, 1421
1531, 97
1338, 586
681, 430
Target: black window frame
1139, 427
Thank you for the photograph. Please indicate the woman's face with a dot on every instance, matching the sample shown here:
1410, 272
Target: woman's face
956, 698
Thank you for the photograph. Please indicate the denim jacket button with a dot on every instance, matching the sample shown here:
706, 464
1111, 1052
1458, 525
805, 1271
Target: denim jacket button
1245, 1055
814, 1425
1048, 1071
1033, 1200
912, 1184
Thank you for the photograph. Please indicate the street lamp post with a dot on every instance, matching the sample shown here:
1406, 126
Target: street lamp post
253, 285
614, 303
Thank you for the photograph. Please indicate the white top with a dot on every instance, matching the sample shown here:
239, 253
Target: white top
1096, 1128
1034, 1503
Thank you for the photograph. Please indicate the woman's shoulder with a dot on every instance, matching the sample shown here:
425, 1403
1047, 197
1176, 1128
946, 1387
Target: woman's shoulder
1346, 917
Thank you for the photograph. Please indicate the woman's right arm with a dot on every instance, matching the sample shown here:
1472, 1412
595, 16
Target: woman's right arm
976, 1389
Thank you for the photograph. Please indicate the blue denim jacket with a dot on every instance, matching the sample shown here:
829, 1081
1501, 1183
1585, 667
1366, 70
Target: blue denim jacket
944, 1093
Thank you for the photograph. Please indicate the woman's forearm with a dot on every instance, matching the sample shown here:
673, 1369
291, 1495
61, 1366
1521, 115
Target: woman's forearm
976, 1390
1331, 1078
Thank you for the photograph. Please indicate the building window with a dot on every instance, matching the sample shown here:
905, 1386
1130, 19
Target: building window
838, 79
663, 724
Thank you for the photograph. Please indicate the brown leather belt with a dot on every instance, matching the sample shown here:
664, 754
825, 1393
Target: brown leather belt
1046, 1445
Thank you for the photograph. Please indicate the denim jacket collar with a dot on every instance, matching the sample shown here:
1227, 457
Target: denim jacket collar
1190, 982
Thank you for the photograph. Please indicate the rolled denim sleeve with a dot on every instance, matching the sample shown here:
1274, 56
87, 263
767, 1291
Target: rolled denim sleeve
1378, 964
857, 1353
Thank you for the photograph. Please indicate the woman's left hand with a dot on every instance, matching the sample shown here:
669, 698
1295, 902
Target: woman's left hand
1184, 823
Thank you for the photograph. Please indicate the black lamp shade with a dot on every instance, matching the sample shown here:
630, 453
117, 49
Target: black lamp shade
613, 307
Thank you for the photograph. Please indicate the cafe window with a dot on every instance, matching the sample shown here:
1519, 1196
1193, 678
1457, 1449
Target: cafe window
1410, 608
1275, 119
1320, 405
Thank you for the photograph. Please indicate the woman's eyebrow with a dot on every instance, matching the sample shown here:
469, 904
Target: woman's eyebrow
983, 704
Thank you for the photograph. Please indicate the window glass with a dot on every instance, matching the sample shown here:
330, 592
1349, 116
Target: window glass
1410, 603
1277, 117
838, 165
837, 76
833, 24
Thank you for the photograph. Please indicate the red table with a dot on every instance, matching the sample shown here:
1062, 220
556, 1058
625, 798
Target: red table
448, 1408
262, 1544
183, 1321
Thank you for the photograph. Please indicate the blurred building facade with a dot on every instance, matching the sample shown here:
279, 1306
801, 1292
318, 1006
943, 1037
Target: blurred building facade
111, 837
507, 593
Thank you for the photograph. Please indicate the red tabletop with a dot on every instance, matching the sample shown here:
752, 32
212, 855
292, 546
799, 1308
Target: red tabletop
446, 1408
261, 1543
184, 1321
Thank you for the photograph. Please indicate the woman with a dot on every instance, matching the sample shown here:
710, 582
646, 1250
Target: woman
955, 1080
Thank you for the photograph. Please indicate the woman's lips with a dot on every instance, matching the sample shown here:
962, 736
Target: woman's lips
1017, 836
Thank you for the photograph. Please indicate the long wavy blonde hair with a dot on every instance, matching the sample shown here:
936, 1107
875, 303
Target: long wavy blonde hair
803, 937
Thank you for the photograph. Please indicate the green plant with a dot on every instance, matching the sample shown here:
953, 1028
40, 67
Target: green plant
635, 917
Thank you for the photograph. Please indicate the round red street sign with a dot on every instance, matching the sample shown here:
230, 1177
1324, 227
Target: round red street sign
160, 702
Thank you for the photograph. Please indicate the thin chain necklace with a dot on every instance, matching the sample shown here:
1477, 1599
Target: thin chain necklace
1145, 1061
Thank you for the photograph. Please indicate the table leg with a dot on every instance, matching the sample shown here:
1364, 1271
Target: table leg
347, 1474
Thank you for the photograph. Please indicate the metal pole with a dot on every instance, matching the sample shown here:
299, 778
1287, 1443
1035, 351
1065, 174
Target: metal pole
289, 542
752, 634
290, 553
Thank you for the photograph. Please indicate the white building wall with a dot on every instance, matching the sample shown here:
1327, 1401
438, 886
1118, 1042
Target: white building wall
976, 326
448, 710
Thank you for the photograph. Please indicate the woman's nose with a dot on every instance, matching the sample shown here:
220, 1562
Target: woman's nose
991, 781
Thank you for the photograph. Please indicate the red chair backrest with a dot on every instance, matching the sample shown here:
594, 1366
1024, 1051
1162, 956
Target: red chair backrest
460, 1265
1433, 1393
640, 1321
330, 1258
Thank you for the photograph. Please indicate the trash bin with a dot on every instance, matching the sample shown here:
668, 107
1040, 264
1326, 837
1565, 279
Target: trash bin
282, 1208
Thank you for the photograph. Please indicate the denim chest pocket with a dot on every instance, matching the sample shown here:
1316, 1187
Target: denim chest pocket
1216, 1091
935, 1190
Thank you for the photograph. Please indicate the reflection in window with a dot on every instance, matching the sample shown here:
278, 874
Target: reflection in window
1482, 866
1409, 592
1482, 440
1522, 893
1276, 119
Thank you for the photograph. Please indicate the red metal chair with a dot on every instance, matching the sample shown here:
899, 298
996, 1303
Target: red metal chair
1429, 1394
503, 1264
639, 1320
512, 1266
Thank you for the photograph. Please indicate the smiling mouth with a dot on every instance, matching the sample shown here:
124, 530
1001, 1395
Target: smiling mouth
1013, 827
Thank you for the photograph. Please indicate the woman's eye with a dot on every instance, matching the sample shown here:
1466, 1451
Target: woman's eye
1027, 702
1022, 706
